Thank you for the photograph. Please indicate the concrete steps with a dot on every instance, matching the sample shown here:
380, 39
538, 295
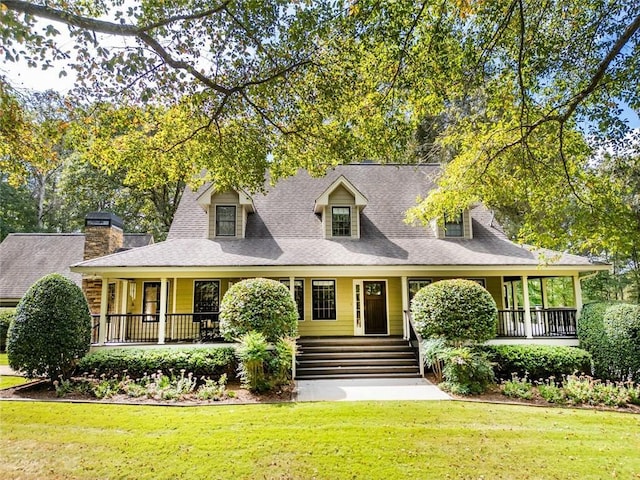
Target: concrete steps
355, 357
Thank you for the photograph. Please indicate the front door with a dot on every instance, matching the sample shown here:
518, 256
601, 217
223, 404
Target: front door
375, 308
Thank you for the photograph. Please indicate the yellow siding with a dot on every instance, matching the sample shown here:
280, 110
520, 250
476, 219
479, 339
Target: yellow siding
492, 284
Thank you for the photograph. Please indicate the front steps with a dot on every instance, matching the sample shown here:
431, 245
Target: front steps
355, 357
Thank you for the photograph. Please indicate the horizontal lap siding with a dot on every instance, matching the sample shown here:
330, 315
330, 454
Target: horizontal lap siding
343, 325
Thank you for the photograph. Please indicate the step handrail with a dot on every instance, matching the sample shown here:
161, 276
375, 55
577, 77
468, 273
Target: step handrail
414, 335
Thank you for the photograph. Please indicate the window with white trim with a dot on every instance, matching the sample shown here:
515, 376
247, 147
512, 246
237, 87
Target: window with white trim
225, 221
341, 221
454, 228
151, 302
415, 284
323, 295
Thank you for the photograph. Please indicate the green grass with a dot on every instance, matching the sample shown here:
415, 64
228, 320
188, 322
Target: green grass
3, 359
6, 382
368, 440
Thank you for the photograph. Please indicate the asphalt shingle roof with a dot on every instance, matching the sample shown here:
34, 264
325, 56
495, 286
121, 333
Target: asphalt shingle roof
285, 231
26, 257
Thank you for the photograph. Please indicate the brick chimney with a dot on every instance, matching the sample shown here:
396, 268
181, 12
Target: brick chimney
103, 235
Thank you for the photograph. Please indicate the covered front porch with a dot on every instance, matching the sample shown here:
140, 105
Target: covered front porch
185, 309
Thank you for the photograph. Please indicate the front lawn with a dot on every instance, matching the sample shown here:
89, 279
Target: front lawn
6, 381
316, 440
4, 360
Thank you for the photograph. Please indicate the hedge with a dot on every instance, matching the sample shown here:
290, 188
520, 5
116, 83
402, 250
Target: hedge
136, 362
538, 361
6, 317
611, 333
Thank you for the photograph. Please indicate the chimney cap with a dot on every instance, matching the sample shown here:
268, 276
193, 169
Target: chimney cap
103, 219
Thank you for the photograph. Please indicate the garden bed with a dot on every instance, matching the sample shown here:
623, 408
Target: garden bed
42, 390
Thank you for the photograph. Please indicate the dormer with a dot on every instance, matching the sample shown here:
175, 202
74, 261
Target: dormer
340, 206
227, 212
459, 227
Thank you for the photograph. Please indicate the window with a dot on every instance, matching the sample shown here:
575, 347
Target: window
454, 228
323, 293
341, 221
416, 284
225, 221
298, 294
206, 300
151, 302
479, 281
111, 299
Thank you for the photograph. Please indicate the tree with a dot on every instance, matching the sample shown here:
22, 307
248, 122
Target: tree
527, 91
51, 330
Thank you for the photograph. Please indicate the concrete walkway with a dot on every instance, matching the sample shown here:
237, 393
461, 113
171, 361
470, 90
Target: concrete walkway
6, 371
368, 389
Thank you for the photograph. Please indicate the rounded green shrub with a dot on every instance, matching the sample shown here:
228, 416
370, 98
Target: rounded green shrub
6, 317
52, 329
460, 311
260, 305
611, 333
622, 329
538, 361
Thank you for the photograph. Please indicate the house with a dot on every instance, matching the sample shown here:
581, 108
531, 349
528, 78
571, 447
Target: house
342, 247
26, 257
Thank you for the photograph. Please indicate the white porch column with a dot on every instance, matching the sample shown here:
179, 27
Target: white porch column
162, 325
174, 307
543, 289
577, 295
405, 307
104, 303
292, 287
124, 306
527, 306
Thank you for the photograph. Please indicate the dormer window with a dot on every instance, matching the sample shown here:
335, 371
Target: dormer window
455, 227
225, 221
341, 221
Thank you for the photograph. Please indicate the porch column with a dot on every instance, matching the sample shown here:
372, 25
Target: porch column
174, 307
162, 325
577, 295
527, 307
405, 307
543, 290
292, 287
104, 303
124, 306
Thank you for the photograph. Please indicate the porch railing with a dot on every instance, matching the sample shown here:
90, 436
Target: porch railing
545, 322
415, 340
144, 328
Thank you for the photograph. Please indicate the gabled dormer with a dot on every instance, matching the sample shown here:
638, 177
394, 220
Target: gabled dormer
227, 212
458, 227
340, 206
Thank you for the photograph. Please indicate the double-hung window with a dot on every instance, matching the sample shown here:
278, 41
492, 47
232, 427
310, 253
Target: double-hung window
415, 284
206, 300
341, 221
323, 293
225, 221
151, 302
454, 227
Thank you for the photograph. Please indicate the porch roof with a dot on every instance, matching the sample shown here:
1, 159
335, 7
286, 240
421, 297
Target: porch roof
199, 252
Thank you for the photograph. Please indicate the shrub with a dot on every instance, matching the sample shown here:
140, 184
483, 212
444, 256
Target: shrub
461, 311
254, 355
52, 329
260, 305
6, 317
622, 329
466, 371
281, 361
138, 362
611, 333
537, 361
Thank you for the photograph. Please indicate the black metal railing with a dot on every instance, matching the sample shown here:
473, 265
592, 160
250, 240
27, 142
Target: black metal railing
415, 340
145, 328
545, 322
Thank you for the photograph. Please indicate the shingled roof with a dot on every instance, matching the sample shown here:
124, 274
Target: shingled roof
26, 257
285, 231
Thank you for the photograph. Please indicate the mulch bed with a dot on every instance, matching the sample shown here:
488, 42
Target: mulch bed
41, 390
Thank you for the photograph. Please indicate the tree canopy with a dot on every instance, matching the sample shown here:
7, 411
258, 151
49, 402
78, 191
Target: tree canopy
520, 100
